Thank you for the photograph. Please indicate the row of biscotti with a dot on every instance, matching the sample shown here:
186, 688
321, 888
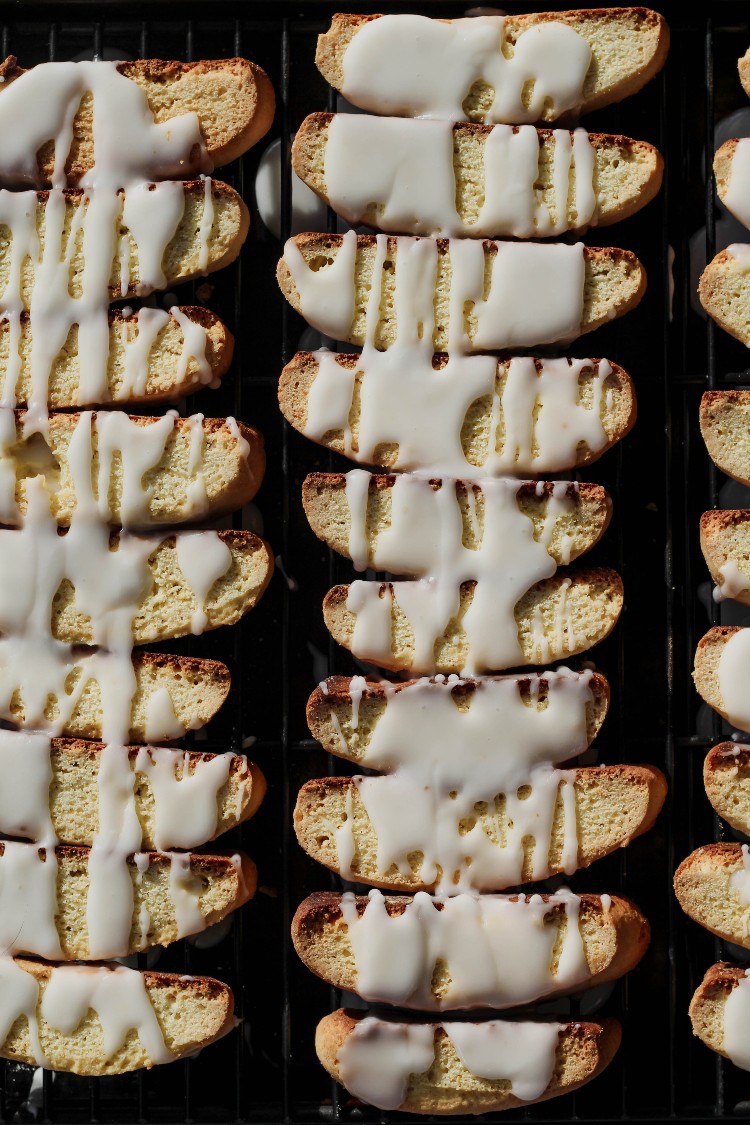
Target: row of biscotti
712, 883
469, 796
96, 861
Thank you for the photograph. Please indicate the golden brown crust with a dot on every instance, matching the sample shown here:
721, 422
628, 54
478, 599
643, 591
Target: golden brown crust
707, 1004
584, 1050
725, 426
705, 891
724, 291
726, 777
614, 805
616, 73
233, 99
706, 670
320, 938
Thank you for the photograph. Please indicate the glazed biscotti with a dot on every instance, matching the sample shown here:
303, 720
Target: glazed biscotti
720, 1012
106, 1019
725, 426
182, 798
468, 951
140, 470
724, 290
722, 664
464, 415
491, 69
152, 356
447, 180
232, 99
457, 1068
554, 619
376, 723
726, 777
172, 695
381, 830
350, 286
725, 542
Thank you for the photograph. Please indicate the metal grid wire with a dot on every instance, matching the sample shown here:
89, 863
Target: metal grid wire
660, 479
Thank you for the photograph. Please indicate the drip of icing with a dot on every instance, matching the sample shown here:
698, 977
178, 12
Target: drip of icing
736, 1023
25, 791
737, 198
497, 952
539, 413
161, 720
377, 1058
197, 497
185, 802
739, 881
411, 66
28, 900
732, 676
733, 581
407, 167
534, 294
425, 537
207, 222
204, 558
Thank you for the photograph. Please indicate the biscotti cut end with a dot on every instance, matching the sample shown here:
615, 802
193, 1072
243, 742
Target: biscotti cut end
725, 542
709, 1001
726, 777
725, 426
724, 291
191, 1013
710, 887
629, 46
583, 1050
743, 66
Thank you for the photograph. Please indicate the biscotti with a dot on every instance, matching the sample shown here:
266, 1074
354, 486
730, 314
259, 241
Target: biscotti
446, 180
461, 1068
350, 286
172, 695
106, 1019
725, 542
459, 414
726, 777
468, 951
713, 888
171, 600
377, 723
181, 798
720, 1012
139, 470
557, 618
724, 290
722, 665
152, 356
232, 100
381, 830
725, 426
489, 69
73, 903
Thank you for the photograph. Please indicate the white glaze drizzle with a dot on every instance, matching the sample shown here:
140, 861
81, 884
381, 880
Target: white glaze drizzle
411, 66
377, 1058
535, 291
538, 416
407, 168
117, 995
496, 951
424, 538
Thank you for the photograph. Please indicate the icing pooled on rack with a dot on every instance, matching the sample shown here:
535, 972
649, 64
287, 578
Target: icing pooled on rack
377, 1058
426, 538
117, 996
496, 952
534, 293
536, 422
736, 1042
412, 66
407, 168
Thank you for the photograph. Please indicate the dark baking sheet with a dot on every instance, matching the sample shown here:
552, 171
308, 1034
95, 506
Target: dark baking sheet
660, 479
